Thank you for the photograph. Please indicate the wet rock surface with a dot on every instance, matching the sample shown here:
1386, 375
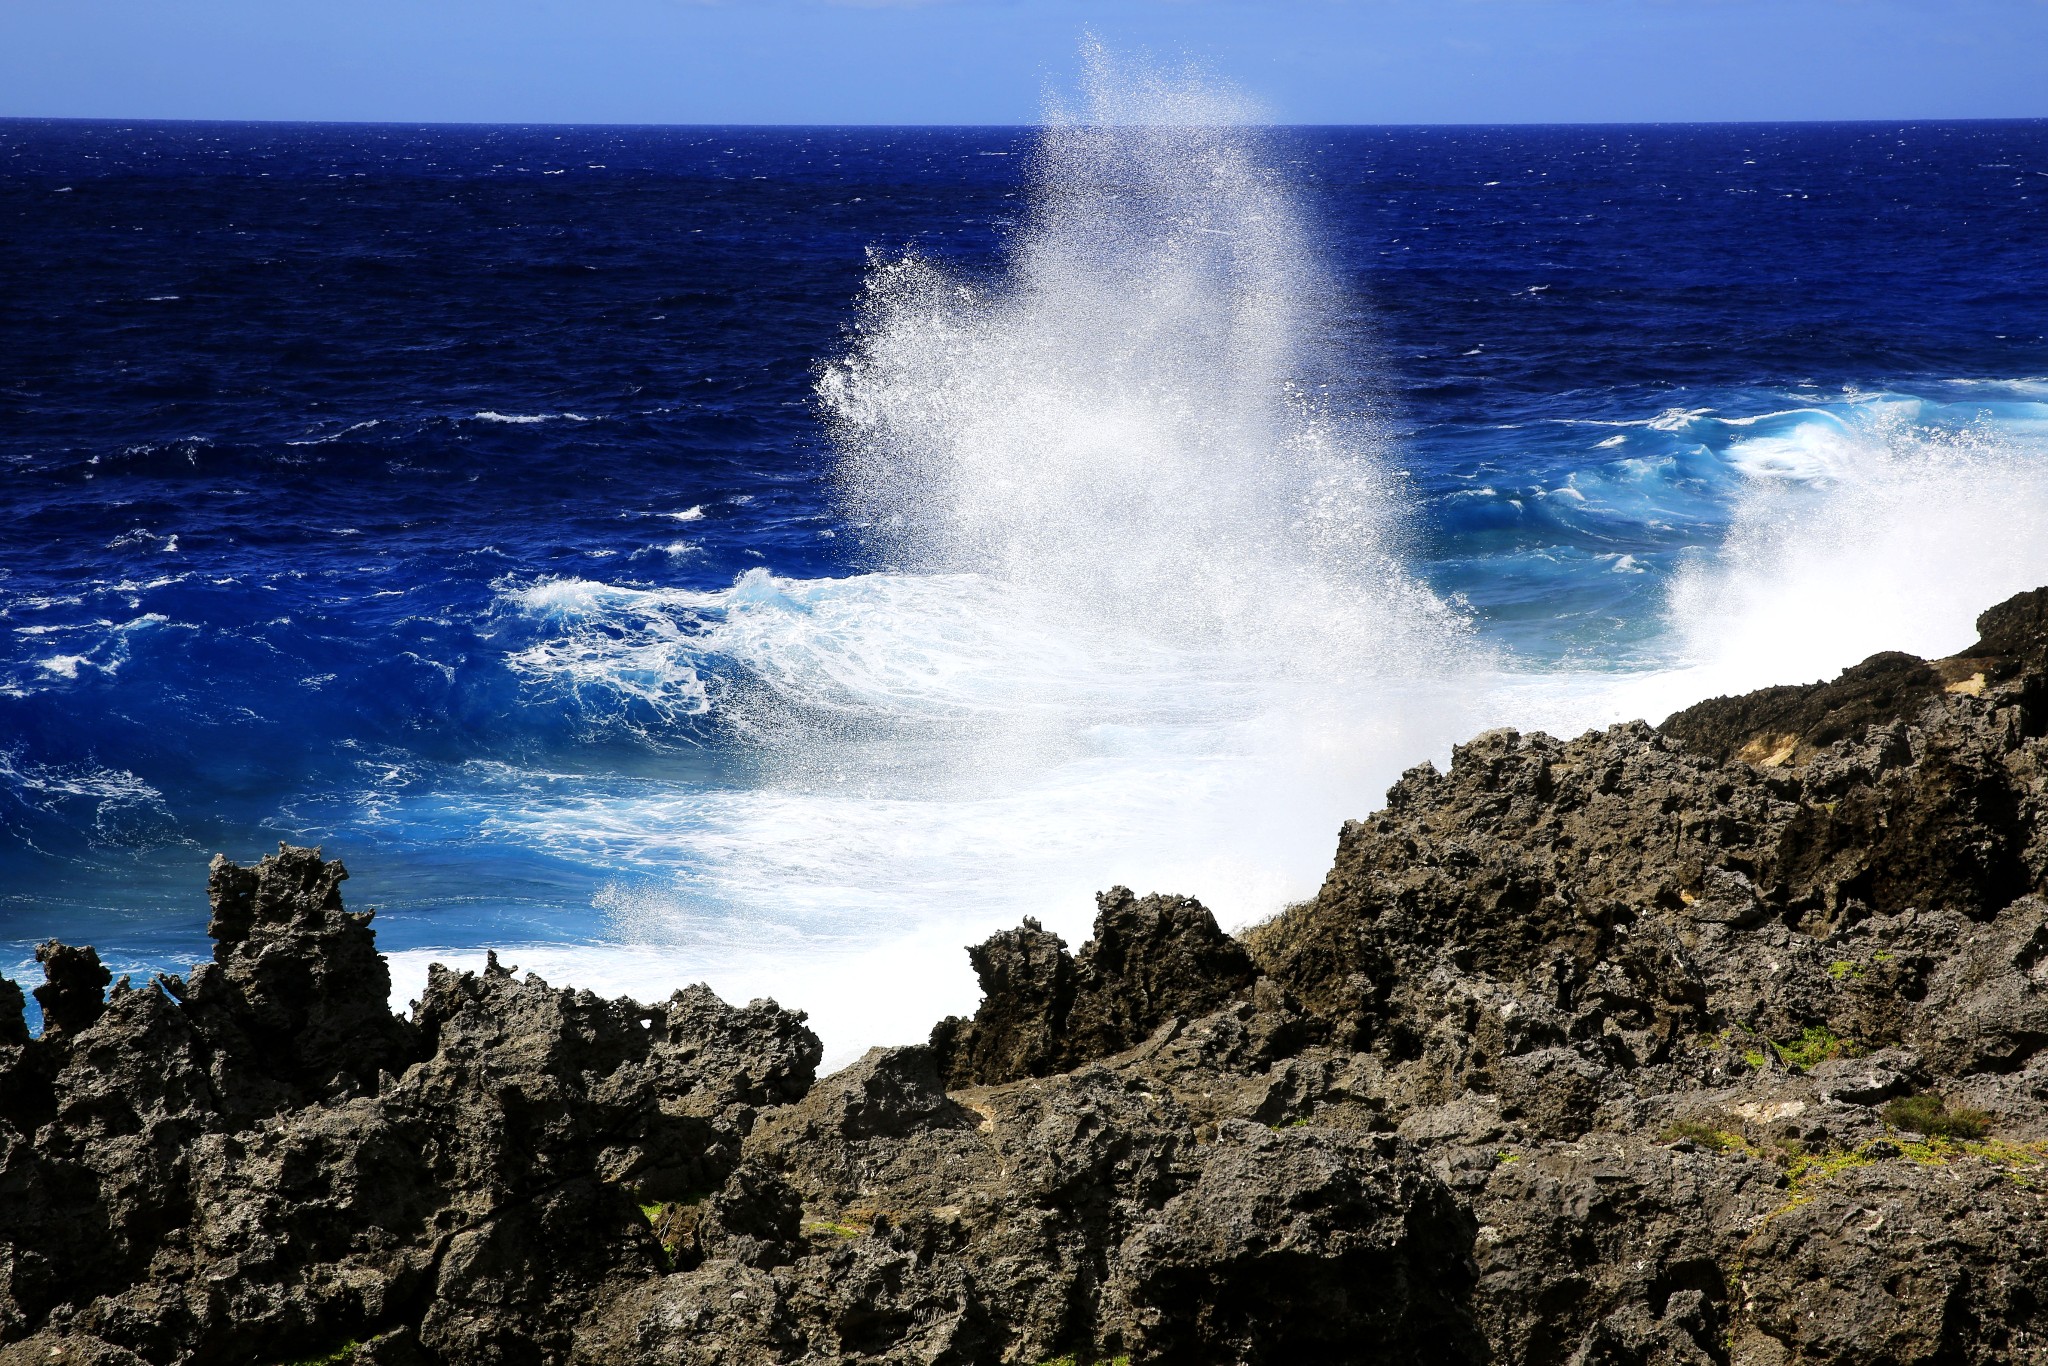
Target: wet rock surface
1720, 1042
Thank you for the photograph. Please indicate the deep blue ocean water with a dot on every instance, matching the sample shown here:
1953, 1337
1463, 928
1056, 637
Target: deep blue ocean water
387, 488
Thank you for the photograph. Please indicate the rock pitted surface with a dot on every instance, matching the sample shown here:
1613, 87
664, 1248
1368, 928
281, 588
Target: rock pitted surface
1720, 1042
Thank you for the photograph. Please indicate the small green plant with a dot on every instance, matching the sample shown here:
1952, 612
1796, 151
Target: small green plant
1928, 1114
1806, 1171
1815, 1045
1842, 969
340, 1356
1504, 1157
1703, 1134
833, 1228
652, 1213
1755, 1059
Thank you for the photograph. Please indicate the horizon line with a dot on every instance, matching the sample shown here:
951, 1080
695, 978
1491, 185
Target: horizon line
793, 126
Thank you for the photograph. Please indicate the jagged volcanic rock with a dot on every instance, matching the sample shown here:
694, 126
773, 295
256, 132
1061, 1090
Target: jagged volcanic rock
262, 1163
1042, 1011
1719, 1042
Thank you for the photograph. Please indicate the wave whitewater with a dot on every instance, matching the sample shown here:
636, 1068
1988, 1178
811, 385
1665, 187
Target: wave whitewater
1141, 605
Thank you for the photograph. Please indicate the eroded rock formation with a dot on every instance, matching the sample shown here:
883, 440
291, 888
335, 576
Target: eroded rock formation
1720, 1042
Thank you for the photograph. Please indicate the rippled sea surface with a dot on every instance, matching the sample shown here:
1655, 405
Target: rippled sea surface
474, 502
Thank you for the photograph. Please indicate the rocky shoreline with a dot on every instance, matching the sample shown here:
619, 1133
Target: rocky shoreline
1719, 1042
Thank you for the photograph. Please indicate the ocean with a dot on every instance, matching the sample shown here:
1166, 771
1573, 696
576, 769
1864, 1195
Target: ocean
779, 557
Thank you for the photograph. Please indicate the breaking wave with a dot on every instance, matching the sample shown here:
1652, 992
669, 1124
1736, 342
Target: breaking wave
1138, 609
1139, 604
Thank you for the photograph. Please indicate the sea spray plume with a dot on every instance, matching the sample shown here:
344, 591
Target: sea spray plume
1132, 426
1136, 611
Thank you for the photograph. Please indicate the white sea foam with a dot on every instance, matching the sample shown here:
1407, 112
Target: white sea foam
1866, 532
1877, 523
126, 811
144, 538
47, 781
108, 643
613, 644
336, 436
527, 419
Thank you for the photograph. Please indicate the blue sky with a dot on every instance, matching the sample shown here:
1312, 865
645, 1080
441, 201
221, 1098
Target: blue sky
989, 61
